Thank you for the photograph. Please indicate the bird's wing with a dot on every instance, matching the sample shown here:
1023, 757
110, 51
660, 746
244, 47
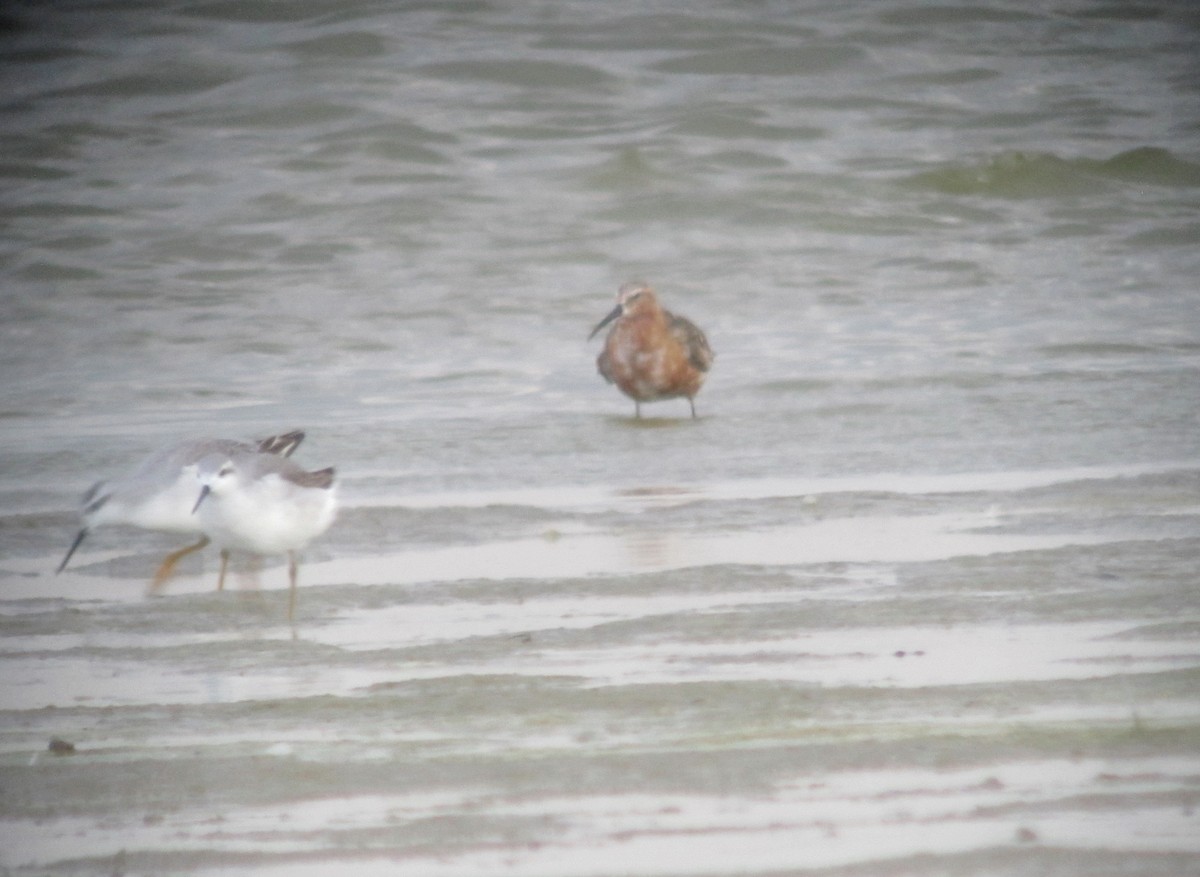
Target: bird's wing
692, 338
604, 365
322, 478
283, 445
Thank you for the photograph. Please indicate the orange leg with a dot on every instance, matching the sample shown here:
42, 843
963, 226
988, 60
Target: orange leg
167, 567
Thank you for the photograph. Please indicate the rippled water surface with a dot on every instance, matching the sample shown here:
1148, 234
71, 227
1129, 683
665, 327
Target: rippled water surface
917, 592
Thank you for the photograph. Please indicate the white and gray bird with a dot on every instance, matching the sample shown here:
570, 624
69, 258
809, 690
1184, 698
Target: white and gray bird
263, 505
160, 493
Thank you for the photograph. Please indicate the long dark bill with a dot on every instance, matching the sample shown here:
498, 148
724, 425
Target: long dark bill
78, 540
613, 314
204, 491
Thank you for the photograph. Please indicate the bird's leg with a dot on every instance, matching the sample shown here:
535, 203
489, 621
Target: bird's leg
637, 409
167, 567
693, 404
224, 565
292, 583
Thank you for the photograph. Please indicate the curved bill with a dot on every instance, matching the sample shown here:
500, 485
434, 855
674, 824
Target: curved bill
204, 491
612, 315
78, 540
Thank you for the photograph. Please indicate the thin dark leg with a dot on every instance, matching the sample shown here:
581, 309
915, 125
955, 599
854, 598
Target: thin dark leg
224, 564
693, 404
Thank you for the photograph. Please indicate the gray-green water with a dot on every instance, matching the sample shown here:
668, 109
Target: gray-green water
916, 595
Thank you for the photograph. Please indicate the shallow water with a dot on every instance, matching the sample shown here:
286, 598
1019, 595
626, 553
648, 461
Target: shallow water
916, 594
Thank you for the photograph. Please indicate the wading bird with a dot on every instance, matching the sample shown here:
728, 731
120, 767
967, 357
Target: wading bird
650, 353
263, 505
160, 492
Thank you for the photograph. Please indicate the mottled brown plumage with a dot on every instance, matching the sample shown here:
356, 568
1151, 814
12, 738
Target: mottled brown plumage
650, 353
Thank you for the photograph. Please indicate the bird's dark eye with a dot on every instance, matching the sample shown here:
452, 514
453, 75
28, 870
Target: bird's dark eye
226, 471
